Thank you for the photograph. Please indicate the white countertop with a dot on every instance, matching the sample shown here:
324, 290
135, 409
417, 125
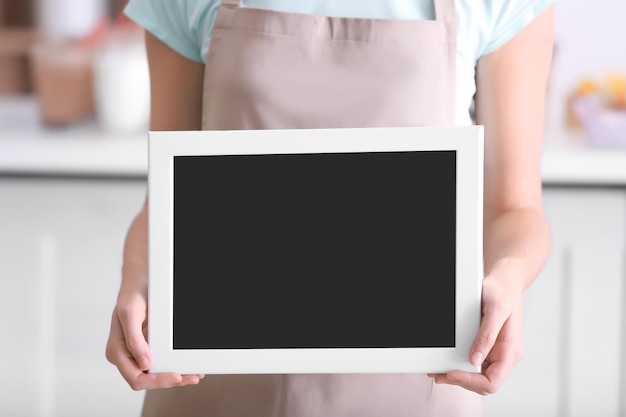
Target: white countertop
26, 147
602, 167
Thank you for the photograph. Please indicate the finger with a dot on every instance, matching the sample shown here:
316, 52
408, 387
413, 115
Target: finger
188, 380
478, 383
439, 378
132, 320
118, 354
492, 377
459, 378
139, 380
494, 318
115, 336
486, 383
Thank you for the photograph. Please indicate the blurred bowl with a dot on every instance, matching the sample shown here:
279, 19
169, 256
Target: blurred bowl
603, 127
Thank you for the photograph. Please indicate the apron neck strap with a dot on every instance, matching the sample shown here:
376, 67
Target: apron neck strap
444, 11
232, 3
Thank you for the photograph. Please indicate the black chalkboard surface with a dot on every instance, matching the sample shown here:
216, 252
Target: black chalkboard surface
325, 250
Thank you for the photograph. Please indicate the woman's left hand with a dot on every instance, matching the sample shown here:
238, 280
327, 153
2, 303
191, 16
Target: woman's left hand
499, 344
510, 101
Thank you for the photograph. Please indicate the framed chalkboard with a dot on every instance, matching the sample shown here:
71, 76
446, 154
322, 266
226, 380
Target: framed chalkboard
315, 251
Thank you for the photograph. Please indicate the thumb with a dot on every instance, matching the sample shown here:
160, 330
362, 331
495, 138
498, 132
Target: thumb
132, 319
490, 327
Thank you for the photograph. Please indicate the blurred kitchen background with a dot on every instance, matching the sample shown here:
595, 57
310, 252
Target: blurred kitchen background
74, 103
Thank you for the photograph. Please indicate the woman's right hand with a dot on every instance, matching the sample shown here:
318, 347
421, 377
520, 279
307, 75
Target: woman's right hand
127, 347
175, 105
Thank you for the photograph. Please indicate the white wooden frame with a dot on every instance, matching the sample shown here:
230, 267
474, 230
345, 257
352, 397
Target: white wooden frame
467, 141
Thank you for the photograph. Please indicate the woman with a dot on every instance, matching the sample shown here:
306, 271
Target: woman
269, 64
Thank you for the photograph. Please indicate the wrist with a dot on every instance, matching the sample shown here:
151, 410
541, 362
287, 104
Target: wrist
135, 273
513, 272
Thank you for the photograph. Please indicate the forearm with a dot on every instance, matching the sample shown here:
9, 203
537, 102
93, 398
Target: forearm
176, 104
516, 242
510, 103
135, 257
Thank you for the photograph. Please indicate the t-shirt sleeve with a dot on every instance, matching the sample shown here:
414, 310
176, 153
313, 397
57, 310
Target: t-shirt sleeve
183, 25
508, 17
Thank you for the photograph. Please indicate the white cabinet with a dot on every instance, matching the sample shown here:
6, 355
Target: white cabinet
60, 257
575, 322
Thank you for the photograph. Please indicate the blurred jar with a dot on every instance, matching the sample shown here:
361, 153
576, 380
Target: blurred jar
63, 79
122, 82
59, 20
62, 61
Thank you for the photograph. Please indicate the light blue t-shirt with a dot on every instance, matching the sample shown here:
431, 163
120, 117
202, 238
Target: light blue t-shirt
482, 26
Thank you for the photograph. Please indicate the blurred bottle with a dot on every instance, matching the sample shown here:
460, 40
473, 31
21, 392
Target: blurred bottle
122, 81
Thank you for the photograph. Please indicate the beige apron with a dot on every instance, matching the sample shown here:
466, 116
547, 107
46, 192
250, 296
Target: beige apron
277, 70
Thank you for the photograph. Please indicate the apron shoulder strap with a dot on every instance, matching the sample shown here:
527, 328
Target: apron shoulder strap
226, 13
445, 10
